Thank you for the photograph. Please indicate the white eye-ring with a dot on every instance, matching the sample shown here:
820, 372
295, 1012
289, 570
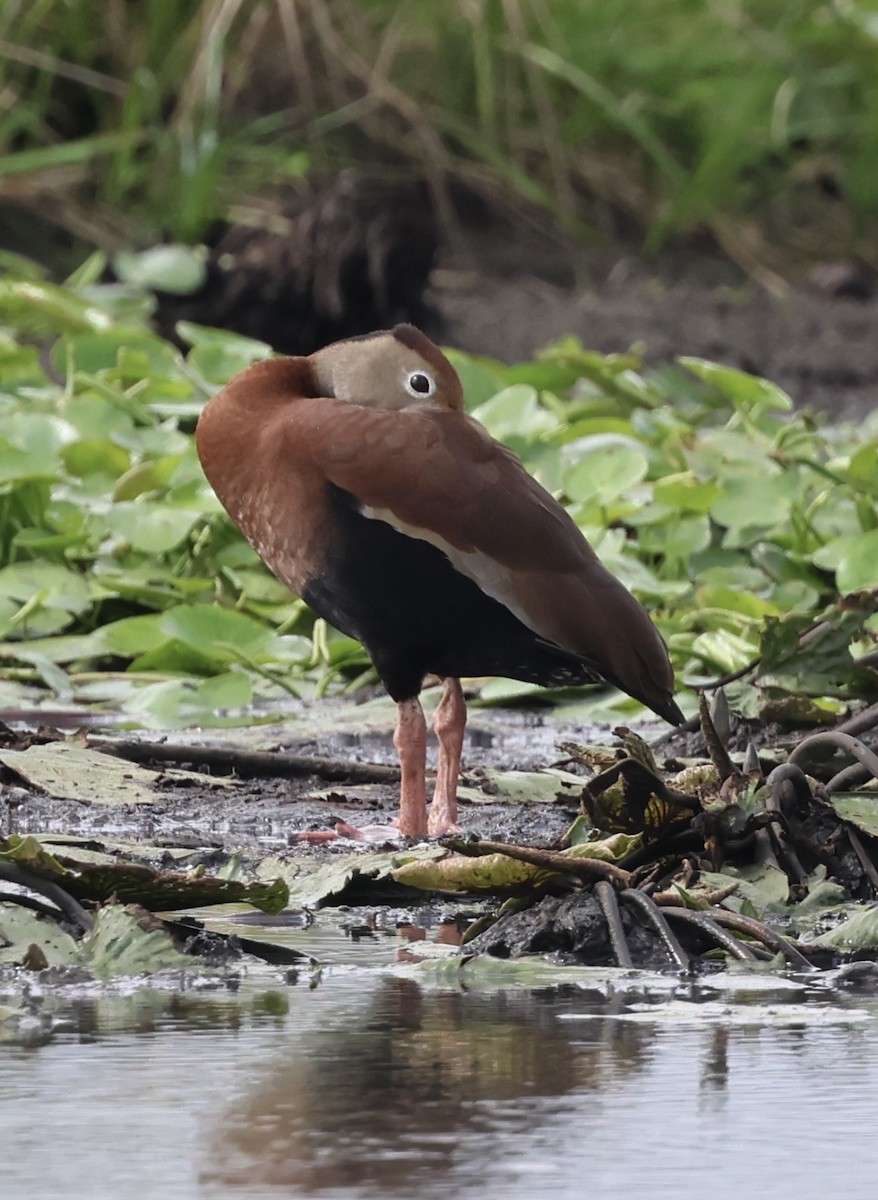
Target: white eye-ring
420, 384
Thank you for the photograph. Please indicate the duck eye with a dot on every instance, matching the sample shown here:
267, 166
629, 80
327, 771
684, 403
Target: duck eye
419, 383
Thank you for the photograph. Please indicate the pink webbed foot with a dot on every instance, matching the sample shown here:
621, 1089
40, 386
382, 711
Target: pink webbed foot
410, 739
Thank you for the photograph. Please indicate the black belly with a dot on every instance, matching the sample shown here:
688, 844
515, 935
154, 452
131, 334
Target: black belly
416, 614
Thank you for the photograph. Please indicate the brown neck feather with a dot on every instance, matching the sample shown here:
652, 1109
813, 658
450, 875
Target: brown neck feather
243, 443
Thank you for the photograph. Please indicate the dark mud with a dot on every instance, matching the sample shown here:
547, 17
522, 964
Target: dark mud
509, 295
262, 815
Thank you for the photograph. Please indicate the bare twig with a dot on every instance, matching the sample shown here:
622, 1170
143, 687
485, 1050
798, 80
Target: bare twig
261, 763
716, 896
58, 718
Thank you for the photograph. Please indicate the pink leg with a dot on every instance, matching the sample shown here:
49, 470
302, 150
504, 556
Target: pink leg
410, 740
449, 722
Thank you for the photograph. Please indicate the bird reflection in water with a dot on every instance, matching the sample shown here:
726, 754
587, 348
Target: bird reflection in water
448, 932
417, 1091
422, 926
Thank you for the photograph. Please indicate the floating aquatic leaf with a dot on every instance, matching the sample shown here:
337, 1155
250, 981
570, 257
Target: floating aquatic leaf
169, 268
862, 470
354, 878
857, 567
755, 499
135, 882
860, 808
686, 493
500, 874
125, 942
21, 928
29, 852
515, 412
603, 468
217, 632
93, 352
523, 787
151, 528
857, 931
494, 874
747, 392
72, 772
761, 886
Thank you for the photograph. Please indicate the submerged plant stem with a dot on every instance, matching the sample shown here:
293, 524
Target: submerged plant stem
702, 921
70, 908
609, 902
761, 933
653, 915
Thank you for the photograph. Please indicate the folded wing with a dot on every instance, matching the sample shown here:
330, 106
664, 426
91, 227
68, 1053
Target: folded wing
437, 475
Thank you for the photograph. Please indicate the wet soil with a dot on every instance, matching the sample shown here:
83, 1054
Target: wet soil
262, 815
507, 294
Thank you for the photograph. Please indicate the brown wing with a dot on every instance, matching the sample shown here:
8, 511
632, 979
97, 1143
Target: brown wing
438, 475
442, 473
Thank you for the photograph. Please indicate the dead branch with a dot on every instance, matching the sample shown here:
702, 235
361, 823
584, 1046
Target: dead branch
247, 763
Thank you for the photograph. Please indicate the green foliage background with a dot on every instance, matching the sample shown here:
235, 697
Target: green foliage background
740, 524
757, 118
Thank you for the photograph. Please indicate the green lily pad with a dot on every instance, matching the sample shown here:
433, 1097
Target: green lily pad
170, 268
151, 528
515, 412
603, 467
747, 392
755, 499
859, 931
366, 876
71, 772
137, 882
21, 928
860, 808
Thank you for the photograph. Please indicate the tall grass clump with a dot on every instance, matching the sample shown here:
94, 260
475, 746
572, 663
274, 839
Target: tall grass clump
619, 115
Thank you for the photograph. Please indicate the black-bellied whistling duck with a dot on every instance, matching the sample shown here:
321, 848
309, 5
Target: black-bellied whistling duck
365, 487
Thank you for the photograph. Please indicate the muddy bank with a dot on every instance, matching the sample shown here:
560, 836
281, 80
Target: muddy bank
259, 814
508, 297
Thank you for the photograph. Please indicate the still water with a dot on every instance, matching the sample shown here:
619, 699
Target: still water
381, 1079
